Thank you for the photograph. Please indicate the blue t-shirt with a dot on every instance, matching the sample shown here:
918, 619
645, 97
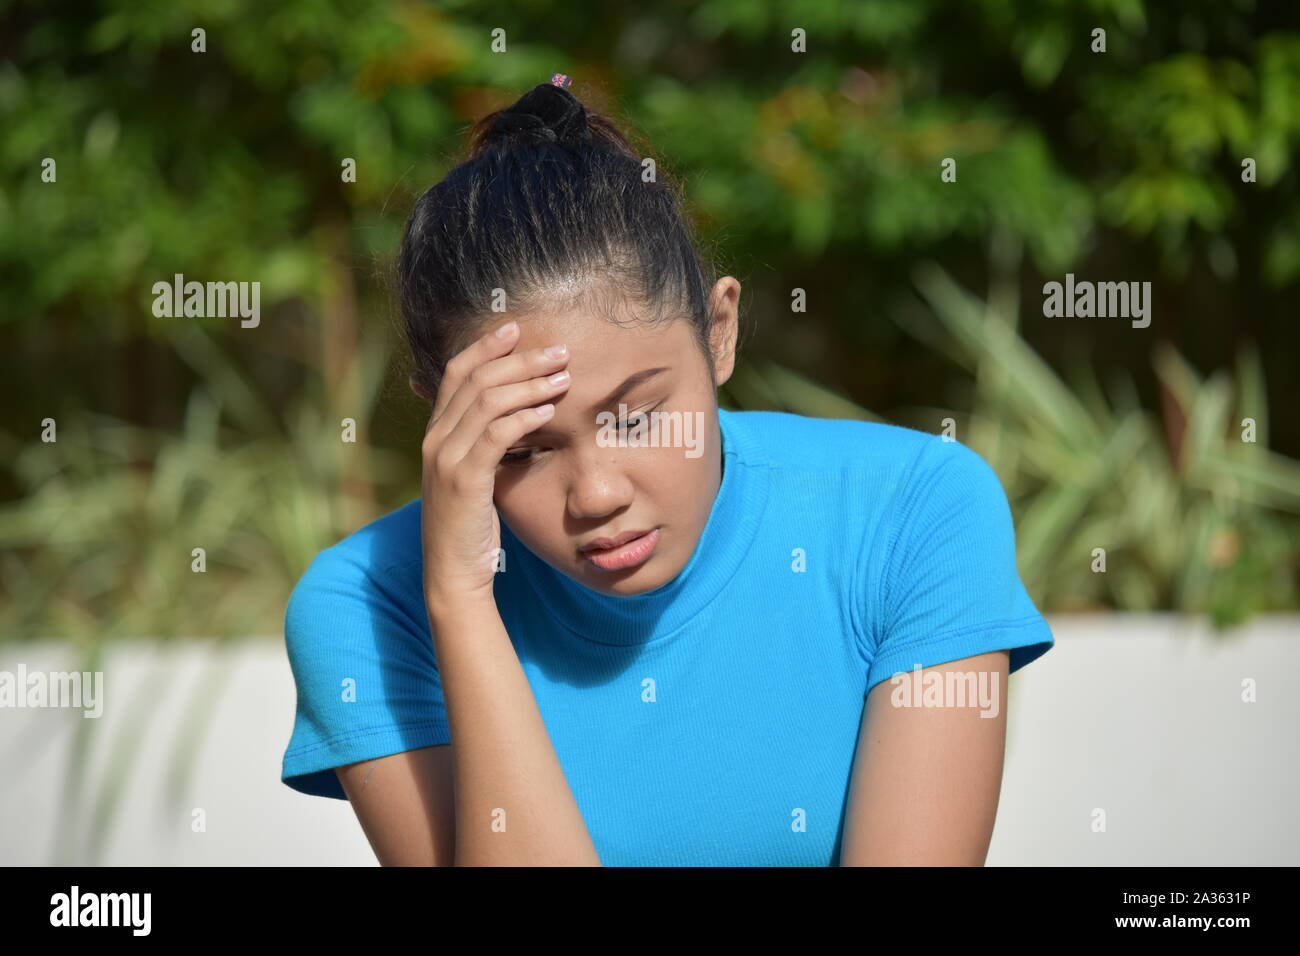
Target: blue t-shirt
713, 720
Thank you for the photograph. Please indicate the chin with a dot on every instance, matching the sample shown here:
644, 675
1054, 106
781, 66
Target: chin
624, 583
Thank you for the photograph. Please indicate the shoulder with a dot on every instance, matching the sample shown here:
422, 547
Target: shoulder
892, 468
362, 655
948, 474
372, 576
882, 452
386, 542
951, 516
389, 540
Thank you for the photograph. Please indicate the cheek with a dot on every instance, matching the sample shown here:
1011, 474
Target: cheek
669, 483
518, 498
532, 506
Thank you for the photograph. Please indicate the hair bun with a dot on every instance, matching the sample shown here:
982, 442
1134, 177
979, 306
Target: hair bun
546, 113
527, 127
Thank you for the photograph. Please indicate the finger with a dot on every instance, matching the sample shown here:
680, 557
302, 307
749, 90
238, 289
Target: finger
495, 440
507, 369
490, 345
491, 404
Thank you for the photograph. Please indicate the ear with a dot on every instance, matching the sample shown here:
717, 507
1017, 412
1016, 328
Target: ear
418, 389
725, 310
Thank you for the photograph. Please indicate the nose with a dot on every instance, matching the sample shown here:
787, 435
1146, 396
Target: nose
598, 485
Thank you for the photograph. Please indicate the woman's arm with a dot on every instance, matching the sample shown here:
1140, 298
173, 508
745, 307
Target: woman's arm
513, 802
926, 780
406, 805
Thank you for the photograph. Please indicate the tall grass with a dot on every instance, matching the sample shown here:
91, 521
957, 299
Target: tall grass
103, 546
1190, 517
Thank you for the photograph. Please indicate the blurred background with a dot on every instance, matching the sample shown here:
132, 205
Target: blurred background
816, 170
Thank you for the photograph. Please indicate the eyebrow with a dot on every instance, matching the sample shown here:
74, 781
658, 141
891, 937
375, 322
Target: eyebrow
629, 383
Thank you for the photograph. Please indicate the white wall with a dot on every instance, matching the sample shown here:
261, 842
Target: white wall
1138, 715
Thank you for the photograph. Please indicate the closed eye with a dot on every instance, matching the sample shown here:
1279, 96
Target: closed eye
635, 418
522, 457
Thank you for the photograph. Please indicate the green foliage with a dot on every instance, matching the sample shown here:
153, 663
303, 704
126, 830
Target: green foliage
1191, 516
101, 545
225, 165
227, 161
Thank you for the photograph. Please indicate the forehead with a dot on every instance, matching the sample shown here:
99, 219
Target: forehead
603, 352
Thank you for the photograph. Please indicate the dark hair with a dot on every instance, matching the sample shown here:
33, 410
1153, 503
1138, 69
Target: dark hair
551, 207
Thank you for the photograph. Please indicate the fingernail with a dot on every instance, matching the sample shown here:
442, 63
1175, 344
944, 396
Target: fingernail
556, 351
559, 378
506, 329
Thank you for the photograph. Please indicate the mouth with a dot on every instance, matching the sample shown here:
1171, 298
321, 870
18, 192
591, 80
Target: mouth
622, 551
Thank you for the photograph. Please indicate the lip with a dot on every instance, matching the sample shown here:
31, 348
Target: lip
628, 550
604, 544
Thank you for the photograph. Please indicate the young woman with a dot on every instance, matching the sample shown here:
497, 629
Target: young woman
621, 625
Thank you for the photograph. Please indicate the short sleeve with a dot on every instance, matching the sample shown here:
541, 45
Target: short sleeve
363, 663
949, 585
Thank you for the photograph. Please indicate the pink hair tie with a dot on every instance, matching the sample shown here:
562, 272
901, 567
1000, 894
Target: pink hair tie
561, 80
